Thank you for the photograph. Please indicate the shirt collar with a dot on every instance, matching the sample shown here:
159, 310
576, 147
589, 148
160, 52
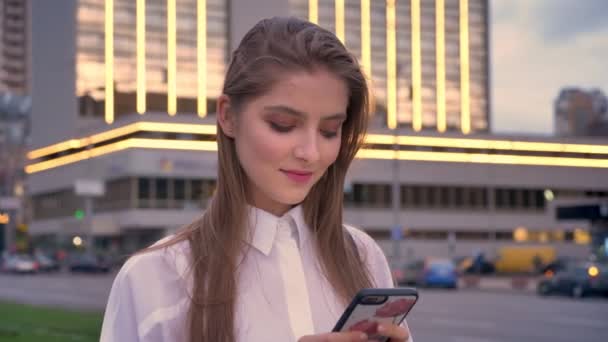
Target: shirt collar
264, 227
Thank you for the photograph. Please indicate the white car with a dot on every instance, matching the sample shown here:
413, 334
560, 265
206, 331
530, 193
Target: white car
20, 264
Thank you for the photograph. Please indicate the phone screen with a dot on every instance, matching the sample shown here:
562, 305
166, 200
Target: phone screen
371, 310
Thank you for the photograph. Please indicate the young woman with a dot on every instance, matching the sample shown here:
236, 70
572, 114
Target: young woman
270, 259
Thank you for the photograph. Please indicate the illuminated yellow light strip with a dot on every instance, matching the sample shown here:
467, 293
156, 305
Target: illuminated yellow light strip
141, 56
465, 108
108, 135
440, 57
177, 128
391, 65
109, 61
80, 143
55, 148
478, 158
487, 144
171, 58
366, 53
166, 144
201, 29
72, 158
339, 16
313, 11
416, 68
483, 144
122, 145
122, 131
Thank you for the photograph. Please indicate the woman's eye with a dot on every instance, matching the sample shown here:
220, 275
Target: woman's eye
280, 128
329, 134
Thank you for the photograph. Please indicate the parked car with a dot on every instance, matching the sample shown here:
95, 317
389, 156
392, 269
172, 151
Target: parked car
470, 265
431, 272
397, 272
577, 279
90, 263
557, 265
20, 263
46, 264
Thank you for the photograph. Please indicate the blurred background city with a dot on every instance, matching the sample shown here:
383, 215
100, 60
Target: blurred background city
485, 168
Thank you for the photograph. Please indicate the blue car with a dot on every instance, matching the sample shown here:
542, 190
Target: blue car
431, 272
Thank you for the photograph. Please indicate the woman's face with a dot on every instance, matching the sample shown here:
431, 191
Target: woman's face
287, 138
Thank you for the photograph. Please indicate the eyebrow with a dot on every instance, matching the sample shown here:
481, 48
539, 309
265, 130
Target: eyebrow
295, 112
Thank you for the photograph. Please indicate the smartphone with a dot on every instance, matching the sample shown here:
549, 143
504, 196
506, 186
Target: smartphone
373, 306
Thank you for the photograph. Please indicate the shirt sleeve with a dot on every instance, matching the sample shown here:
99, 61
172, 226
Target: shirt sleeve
148, 300
376, 262
120, 320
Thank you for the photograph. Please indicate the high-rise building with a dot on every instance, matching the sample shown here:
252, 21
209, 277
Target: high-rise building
14, 54
580, 112
427, 59
122, 89
154, 65
14, 113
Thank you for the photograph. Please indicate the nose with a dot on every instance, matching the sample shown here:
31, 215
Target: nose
307, 148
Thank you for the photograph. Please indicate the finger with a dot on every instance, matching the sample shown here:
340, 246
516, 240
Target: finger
395, 332
354, 336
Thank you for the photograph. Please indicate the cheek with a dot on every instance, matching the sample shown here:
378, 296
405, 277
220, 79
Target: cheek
330, 151
260, 147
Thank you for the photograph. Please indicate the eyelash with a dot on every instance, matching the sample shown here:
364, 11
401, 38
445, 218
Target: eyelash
285, 129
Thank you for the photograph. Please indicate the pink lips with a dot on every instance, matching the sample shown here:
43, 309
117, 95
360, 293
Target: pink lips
298, 176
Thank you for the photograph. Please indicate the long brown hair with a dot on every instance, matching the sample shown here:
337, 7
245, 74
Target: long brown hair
218, 239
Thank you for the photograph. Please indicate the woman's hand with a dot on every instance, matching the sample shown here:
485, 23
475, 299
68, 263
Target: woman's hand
353, 336
397, 333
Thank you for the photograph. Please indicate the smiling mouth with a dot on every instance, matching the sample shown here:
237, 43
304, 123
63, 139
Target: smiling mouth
298, 176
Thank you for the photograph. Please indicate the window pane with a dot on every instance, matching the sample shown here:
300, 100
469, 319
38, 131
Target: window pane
197, 189
180, 189
162, 189
143, 188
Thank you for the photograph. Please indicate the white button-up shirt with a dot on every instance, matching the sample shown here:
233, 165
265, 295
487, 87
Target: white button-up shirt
282, 294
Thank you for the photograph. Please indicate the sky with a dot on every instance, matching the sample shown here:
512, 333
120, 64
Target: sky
538, 47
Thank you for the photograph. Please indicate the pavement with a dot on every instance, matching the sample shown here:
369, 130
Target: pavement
72, 291
483, 309
90, 291
518, 284
504, 316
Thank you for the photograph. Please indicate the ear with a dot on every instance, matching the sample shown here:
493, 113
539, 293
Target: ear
225, 116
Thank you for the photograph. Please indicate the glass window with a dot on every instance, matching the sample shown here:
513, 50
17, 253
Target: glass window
445, 197
179, 189
197, 189
512, 198
143, 188
162, 188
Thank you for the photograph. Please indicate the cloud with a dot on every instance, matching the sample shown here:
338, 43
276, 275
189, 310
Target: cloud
528, 69
563, 20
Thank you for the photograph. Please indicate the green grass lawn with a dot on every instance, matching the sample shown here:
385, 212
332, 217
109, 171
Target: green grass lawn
24, 323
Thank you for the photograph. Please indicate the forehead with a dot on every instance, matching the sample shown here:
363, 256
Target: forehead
317, 93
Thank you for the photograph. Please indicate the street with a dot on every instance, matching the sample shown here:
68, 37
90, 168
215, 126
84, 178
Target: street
474, 316
81, 292
440, 316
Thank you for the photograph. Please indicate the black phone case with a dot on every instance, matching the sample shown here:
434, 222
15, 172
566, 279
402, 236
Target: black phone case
388, 292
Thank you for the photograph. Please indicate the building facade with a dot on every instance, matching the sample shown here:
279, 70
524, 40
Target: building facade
135, 111
14, 43
581, 113
428, 59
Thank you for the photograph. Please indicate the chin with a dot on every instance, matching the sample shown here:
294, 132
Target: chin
292, 198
